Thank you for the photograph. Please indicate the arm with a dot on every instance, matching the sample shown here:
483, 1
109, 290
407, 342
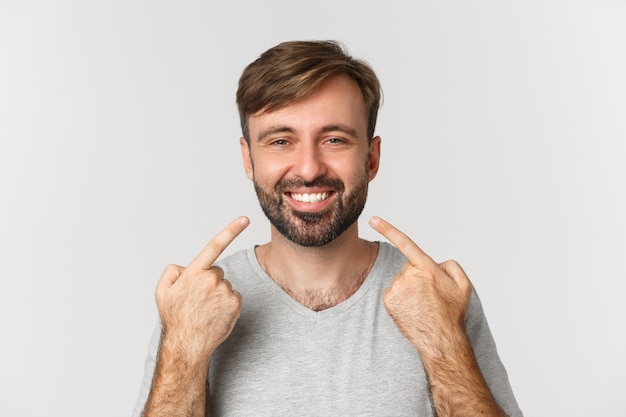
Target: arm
427, 302
456, 383
198, 310
178, 387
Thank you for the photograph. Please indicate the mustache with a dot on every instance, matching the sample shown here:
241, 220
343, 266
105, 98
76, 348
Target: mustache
334, 184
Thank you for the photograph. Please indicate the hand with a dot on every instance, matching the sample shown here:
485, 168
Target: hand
198, 307
427, 301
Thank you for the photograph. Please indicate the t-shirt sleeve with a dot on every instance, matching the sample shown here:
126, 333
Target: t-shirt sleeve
146, 384
487, 357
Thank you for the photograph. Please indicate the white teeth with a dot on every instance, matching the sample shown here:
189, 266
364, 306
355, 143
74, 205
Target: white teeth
309, 198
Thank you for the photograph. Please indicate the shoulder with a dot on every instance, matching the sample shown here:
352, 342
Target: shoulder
235, 258
237, 263
242, 269
389, 258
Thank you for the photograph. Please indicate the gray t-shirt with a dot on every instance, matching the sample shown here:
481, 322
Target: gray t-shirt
283, 359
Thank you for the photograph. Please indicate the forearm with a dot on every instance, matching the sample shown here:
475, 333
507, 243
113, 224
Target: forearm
457, 385
179, 384
198, 309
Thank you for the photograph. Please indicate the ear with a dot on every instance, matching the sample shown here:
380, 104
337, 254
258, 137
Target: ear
373, 156
247, 159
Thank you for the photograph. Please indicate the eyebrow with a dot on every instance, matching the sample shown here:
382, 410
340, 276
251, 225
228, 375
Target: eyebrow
340, 128
286, 129
273, 130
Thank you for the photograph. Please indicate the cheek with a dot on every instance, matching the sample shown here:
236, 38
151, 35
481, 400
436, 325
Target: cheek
271, 169
358, 174
267, 174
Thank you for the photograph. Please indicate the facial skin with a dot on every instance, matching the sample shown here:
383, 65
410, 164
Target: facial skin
311, 163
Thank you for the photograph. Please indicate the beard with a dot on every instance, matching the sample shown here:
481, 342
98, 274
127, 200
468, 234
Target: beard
313, 229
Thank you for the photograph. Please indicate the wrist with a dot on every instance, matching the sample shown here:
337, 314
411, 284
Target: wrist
441, 343
182, 352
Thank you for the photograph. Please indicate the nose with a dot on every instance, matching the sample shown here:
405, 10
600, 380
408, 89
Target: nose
308, 163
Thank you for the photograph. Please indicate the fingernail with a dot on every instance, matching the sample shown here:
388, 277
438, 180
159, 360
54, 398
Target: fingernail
244, 221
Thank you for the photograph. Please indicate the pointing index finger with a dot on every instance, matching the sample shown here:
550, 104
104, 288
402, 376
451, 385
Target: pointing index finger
413, 253
207, 257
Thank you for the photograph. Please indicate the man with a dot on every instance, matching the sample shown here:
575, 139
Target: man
318, 321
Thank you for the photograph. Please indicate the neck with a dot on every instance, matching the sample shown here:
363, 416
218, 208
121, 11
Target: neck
318, 277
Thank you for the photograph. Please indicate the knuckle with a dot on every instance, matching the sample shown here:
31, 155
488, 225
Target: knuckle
172, 269
236, 300
404, 243
217, 272
213, 276
466, 288
160, 295
387, 296
215, 245
452, 263
227, 284
395, 281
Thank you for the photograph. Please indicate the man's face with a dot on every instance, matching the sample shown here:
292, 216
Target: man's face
311, 163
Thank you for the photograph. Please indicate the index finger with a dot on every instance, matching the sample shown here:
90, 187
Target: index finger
216, 246
409, 249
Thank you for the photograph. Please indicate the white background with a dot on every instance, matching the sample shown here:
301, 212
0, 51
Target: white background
504, 147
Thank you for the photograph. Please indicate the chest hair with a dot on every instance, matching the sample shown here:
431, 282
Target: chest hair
319, 299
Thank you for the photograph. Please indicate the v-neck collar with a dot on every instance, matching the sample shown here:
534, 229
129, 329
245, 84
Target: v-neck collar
383, 251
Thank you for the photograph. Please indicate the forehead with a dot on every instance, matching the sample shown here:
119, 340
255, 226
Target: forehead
337, 101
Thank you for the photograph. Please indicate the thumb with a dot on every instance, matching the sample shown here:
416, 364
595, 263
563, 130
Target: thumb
458, 275
169, 277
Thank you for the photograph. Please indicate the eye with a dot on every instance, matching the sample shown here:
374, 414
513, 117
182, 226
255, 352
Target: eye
279, 142
335, 141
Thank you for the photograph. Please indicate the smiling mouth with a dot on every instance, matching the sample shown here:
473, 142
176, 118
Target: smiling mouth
310, 197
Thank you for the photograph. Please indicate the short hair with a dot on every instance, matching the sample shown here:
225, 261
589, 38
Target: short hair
292, 71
